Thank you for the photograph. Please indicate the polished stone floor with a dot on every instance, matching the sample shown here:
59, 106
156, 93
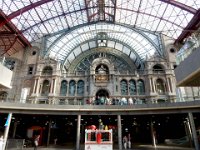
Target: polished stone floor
136, 147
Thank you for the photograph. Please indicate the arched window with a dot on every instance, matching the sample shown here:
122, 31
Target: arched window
45, 88
141, 87
158, 69
72, 88
47, 70
80, 88
3, 95
160, 88
124, 87
63, 88
132, 87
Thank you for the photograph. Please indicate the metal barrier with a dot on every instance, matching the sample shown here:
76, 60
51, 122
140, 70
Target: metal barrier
15, 144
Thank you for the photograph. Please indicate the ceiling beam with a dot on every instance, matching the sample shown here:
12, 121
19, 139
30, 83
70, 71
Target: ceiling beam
193, 25
7, 34
23, 10
180, 5
11, 44
12, 29
86, 7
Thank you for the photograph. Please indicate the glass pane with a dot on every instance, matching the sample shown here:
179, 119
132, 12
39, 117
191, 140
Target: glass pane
132, 87
63, 88
80, 88
124, 87
141, 87
72, 88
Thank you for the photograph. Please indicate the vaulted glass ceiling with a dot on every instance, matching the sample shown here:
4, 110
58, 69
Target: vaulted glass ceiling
36, 18
70, 24
138, 45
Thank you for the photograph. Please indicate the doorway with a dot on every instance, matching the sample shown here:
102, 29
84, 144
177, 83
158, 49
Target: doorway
101, 97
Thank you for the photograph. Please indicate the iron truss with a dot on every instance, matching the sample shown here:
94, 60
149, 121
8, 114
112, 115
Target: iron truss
11, 40
66, 45
36, 18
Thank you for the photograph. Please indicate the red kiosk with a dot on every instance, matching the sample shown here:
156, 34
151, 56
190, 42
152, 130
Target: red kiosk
35, 130
98, 139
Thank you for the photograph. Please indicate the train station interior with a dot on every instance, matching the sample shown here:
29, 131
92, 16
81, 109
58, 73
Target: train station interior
70, 69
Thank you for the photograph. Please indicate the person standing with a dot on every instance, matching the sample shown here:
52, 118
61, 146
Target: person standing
36, 141
129, 141
125, 141
55, 140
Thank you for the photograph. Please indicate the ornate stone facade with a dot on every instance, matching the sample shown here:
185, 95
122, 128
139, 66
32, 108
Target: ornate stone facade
106, 80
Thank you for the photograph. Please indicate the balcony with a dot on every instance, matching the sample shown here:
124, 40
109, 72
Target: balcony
136, 108
5, 77
188, 71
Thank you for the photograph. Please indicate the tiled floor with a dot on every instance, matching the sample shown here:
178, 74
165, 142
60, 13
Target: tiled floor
136, 147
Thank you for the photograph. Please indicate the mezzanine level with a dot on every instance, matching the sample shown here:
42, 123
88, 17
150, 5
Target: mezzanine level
136, 109
188, 71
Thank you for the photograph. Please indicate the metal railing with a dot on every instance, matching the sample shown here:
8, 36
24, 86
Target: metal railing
87, 101
15, 144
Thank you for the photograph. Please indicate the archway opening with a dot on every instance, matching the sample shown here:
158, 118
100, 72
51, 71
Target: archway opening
102, 69
102, 97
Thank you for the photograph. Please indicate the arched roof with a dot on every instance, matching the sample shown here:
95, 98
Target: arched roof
67, 45
38, 18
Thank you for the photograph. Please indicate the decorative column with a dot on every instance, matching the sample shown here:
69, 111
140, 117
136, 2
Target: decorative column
150, 85
75, 88
153, 86
35, 86
194, 133
52, 86
119, 124
38, 86
168, 85
54, 89
78, 132
128, 88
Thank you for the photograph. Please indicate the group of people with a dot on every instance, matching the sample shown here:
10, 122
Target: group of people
101, 100
127, 141
36, 140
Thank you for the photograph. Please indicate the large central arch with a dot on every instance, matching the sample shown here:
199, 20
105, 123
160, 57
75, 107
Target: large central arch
65, 45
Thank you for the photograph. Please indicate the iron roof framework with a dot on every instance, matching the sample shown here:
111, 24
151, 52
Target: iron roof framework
11, 39
66, 45
36, 18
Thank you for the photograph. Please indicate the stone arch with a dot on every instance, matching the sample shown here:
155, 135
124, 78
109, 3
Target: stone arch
72, 87
45, 87
158, 68
63, 88
47, 70
102, 69
124, 87
160, 86
102, 96
132, 87
140, 87
80, 87
97, 63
